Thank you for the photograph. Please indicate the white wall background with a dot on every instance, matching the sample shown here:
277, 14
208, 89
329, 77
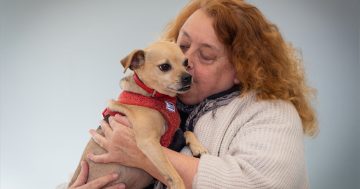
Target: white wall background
59, 66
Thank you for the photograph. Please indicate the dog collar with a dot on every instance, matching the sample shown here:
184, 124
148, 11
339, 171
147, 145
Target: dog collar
149, 90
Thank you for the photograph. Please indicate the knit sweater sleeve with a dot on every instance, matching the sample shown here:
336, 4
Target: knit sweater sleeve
265, 151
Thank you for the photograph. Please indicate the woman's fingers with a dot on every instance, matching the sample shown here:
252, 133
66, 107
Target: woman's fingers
119, 142
101, 158
81, 180
106, 128
102, 181
121, 119
82, 177
99, 139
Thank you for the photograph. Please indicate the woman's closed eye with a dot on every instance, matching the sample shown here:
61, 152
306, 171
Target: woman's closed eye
207, 57
204, 54
184, 47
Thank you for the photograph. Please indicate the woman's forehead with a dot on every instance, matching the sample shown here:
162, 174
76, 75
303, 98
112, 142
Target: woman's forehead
199, 29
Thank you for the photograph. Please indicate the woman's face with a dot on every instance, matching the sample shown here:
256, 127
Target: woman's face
208, 61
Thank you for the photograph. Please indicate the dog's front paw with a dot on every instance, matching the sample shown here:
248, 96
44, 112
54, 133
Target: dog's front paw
197, 149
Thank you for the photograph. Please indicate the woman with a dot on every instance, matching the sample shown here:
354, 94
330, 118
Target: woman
248, 104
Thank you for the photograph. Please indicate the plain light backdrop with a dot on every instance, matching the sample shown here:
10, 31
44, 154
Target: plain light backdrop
59, 64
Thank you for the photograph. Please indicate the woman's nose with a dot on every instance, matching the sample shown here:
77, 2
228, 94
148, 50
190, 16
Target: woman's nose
189, 61
186, 63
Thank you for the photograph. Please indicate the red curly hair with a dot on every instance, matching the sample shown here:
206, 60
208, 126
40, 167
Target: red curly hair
264, 62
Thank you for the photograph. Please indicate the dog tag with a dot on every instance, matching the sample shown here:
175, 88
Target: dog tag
170, 106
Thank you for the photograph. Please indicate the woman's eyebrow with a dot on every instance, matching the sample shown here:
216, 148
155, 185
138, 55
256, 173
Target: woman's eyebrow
186, 34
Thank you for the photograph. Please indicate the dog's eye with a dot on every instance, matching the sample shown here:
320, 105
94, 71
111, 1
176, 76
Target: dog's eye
165, 67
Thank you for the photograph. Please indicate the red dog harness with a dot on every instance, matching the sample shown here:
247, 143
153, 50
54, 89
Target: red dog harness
160, 102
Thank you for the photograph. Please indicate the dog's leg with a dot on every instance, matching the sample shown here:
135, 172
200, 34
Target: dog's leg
148, 128
153, 150
90, 145
147, 134
197, 149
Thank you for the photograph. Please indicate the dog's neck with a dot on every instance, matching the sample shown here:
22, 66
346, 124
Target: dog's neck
133, 84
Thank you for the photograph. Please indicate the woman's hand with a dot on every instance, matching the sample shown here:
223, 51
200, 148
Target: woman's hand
80, 182
119, 142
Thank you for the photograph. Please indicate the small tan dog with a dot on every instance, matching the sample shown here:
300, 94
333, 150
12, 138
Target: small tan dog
159, 73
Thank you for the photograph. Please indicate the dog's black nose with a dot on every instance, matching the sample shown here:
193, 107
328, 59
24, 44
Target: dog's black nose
186, 79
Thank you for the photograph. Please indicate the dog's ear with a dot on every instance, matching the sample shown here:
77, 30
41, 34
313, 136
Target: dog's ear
134, 60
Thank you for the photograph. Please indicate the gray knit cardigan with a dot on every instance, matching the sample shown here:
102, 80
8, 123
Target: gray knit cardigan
252, 144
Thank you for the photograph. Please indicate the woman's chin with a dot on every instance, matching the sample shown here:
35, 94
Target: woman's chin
189, 98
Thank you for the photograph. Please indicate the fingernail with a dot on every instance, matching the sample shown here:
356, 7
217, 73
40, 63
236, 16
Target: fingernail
89, 156
115, 175
121, 186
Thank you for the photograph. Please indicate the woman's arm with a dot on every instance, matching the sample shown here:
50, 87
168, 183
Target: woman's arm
185, 165
119, 142
261, 148
267, 152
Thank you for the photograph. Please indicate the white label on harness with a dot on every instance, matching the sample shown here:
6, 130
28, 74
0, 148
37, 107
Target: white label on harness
170, 106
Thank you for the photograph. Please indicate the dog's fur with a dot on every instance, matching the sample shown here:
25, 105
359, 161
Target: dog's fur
147, 65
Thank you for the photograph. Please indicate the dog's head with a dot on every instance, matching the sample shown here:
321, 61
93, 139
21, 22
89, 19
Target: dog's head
161, 66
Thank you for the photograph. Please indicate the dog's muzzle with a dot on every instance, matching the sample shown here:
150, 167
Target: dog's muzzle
186, 80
